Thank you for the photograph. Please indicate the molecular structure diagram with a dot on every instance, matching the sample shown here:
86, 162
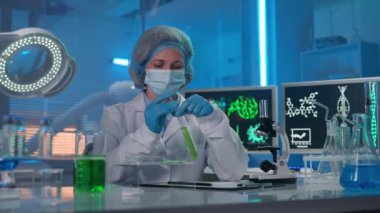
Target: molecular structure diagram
307, 106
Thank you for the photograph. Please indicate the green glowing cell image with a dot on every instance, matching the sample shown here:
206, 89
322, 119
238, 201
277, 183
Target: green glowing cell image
246, 108
373, 107
252, 137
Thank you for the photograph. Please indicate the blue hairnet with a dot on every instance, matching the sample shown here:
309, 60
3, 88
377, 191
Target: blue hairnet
153, 41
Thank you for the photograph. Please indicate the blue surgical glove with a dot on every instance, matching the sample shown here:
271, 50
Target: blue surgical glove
157, 110
195, 105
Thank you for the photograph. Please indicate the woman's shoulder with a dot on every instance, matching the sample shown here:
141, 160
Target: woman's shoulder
136, 104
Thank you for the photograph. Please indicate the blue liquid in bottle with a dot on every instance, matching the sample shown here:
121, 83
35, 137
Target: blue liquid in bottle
360, 176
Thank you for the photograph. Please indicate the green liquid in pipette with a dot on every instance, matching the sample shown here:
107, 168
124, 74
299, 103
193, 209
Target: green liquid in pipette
189, 143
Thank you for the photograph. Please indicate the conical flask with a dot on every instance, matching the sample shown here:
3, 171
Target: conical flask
331, 149
362, 167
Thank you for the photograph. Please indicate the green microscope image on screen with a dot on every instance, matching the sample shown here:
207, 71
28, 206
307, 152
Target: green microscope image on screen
241, 106
245, 107
252, 136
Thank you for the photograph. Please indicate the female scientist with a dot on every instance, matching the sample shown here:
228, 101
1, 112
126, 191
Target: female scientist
148, 125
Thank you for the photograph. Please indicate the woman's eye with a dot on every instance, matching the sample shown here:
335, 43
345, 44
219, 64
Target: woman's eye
177, 67
158, 65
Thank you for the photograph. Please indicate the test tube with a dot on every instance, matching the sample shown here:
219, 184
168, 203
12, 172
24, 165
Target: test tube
185, 131
186, 136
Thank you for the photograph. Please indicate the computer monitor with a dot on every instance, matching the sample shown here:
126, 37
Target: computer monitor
304, 120
241, 105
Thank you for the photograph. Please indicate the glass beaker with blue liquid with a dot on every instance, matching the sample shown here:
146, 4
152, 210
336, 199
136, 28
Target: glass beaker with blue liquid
362, 166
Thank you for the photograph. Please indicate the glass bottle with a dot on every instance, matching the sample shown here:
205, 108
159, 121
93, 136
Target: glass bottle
7, 154
20, 138
45, 138
9, 136
362, 166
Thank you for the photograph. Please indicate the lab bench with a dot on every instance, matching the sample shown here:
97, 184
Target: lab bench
299, 197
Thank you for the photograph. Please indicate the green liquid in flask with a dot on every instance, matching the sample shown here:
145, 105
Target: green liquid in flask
189, 143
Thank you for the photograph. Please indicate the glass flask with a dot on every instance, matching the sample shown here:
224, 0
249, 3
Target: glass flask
362, 167
331, 149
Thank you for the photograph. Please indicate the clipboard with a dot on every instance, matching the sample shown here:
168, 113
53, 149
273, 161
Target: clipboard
213, 185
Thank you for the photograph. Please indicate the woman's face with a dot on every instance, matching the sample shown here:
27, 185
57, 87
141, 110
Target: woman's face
170, 59
167, 59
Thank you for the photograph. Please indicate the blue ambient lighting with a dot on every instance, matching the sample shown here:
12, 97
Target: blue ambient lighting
120, 61
262, 41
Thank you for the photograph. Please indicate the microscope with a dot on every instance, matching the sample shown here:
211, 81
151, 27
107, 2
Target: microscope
278, 170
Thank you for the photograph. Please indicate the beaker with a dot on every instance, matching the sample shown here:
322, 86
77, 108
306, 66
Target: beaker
51, 186
89, 169
331, 149
362, 167
89, 173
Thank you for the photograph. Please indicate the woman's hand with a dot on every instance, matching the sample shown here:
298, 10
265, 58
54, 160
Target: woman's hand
156, 111
195, 105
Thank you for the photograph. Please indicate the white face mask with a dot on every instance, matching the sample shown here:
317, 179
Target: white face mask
160, 80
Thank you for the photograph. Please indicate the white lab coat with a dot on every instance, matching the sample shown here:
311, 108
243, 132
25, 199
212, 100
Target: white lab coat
217, 144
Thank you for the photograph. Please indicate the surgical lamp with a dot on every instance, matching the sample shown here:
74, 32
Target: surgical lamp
33, 63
